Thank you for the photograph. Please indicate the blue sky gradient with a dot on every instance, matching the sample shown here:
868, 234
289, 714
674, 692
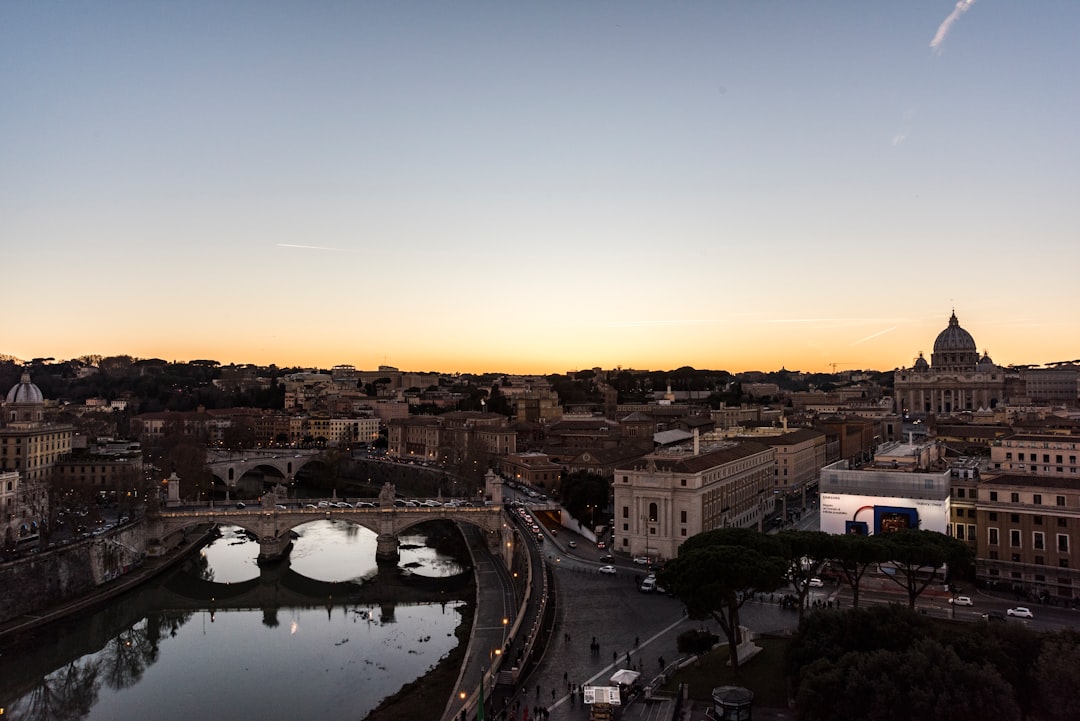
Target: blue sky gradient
538, 187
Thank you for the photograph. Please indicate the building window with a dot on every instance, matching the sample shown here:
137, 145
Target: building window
960, 492
1061, 500
992, 537
1063, 542
1037, 541
1037, 520
652, 513
1014, 497
682, 516
683, 533
1014, 538
971, 532
974, 493
1062, 522
682, 482
1014, 518
959, 532
1037, 499
993, 495
626, 511
1008, 456
993, 515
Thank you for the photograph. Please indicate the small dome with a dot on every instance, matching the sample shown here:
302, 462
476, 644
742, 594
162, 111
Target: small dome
921, 364
985, 363
25, 392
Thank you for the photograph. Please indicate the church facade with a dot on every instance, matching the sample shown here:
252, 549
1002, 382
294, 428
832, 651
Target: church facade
956, 379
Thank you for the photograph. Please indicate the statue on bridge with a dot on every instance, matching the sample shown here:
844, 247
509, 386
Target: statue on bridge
387, 494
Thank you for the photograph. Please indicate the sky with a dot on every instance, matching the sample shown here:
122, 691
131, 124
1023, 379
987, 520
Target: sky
539, 187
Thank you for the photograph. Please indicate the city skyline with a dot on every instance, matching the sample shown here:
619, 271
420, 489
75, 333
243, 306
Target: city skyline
477, 187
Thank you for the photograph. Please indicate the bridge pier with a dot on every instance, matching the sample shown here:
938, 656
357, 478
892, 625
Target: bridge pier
273, 548
386, 549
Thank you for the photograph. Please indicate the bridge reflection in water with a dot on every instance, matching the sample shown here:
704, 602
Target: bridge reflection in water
97, 666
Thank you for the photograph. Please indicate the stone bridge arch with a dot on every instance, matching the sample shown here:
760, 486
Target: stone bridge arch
272, 525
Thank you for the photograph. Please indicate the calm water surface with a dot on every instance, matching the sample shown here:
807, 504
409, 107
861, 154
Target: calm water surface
151, 656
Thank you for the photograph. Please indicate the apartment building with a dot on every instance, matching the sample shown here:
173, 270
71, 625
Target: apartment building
664, 498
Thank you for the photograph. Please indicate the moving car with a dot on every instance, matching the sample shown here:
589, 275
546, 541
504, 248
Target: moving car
572, 544
961, 601
607, 558
817, 583
607, 569
1020, 612
642, 560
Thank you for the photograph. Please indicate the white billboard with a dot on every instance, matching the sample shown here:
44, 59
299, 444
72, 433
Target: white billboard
866, 515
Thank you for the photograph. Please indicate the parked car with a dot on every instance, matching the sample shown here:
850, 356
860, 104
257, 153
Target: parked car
642, 560
607, 558
817, 583
993, 616
961, 601
572, 544
1020, 612
607, 569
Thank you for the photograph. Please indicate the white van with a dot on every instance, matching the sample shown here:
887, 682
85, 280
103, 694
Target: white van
648, 585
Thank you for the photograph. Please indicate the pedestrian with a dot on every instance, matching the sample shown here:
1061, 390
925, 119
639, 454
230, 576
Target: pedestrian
627, 658
636, 639
552, 694
661, 662
614, 657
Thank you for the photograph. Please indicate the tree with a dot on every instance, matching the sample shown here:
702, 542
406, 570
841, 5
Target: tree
580, 490
927, 681
803, 551
853, 556
1058, 674
717, 571
916, 555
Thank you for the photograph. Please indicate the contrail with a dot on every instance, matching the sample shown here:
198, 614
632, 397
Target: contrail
943, 29
874, 335
315, 247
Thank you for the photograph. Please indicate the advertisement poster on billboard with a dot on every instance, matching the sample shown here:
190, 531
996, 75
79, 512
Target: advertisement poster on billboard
871, 515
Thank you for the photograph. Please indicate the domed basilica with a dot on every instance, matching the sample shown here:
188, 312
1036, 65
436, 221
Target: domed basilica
956, 379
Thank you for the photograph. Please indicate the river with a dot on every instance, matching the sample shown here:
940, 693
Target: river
295, 641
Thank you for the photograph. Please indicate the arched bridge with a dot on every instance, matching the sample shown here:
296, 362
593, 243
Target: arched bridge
271, 524
230, 466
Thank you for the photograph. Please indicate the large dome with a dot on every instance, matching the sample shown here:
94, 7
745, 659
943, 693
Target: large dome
954, 348
25, 392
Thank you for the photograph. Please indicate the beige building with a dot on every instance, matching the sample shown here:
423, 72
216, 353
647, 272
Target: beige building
1048, 454
534, 468
1025, 531
343, 431
665, 498
31, 447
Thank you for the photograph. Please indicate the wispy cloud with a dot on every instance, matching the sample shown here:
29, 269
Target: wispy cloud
874, 335
659, 323
943, 29
316, 247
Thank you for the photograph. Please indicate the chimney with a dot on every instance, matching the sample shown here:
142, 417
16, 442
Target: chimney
697, 444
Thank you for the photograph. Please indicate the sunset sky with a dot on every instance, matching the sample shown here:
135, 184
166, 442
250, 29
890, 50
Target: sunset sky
539, 187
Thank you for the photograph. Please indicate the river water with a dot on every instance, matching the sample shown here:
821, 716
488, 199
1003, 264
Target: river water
162, 653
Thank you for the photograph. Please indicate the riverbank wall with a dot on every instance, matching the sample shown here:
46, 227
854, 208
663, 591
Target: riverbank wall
53, 584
